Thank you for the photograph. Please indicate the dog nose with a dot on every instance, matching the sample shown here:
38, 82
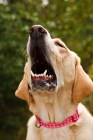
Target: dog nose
37, 31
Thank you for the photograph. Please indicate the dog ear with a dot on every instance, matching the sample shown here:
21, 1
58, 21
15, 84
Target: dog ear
83, 85
22, 91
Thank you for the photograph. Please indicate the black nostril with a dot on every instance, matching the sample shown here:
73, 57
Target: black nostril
31, 30
41, 30
37, 31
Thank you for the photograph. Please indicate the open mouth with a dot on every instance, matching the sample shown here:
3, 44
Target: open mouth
42, 73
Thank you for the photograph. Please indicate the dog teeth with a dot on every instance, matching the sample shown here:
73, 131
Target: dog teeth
35, 75
41, 75
32, 74
45, 72
50, 76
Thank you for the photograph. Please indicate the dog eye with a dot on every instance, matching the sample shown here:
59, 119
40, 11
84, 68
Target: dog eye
60, 45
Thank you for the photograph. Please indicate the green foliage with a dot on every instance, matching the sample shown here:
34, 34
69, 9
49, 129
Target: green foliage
69, 20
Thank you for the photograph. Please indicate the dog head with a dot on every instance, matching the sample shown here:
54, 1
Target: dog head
52, 67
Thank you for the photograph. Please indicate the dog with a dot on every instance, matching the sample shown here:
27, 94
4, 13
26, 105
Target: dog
54, 84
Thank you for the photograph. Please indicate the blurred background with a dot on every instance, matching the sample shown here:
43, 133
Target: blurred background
69, 20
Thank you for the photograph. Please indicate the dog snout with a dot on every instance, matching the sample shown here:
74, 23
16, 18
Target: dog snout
37, 31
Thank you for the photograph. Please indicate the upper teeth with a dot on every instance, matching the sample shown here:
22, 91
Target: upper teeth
32, 73
44, 74
40, 75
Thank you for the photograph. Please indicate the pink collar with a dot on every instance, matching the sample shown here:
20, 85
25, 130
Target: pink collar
69, 120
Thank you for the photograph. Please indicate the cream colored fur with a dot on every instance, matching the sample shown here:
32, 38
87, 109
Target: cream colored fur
73, 84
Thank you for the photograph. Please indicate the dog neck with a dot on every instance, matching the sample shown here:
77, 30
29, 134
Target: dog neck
69, 120
51, 108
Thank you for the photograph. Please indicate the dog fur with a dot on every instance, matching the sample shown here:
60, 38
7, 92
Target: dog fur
73, 84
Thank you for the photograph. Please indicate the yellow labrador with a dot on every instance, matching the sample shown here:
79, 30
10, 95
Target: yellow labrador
54, 84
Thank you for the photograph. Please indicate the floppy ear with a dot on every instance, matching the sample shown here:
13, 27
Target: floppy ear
83, 85
22, 91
